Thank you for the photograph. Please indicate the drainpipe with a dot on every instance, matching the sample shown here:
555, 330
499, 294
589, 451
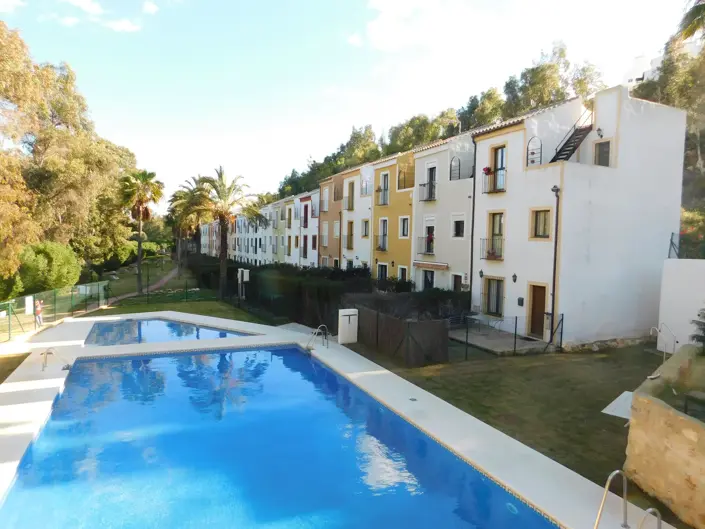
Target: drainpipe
556, 190
340, 239
472, 221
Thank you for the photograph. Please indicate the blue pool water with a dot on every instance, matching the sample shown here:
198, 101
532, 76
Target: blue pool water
243, 439
127, 332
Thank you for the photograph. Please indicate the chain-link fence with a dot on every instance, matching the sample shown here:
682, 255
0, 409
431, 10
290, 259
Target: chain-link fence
27, 313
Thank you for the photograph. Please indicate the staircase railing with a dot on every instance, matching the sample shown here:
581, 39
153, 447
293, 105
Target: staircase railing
323, 334
614, 474
581, 122
659, 331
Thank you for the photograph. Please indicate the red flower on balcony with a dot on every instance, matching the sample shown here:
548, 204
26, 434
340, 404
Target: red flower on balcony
487, 170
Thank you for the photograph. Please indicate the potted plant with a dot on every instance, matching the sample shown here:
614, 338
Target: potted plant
487, 171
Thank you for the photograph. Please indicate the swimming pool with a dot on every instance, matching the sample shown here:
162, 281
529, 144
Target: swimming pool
127, 332
254, 439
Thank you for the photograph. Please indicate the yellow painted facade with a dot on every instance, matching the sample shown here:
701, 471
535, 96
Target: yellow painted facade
400, 198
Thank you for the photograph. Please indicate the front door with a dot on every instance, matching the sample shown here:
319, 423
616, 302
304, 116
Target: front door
457, 283
428, 277
538, 310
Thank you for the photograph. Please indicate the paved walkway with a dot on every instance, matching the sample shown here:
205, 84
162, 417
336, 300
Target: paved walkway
497, 341
156, 286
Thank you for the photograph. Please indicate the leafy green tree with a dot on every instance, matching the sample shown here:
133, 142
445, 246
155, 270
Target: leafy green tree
513, 104
586, 79
187, 208
489, 109
693, 20
223, 198
139, 190
416, 131
466, 114
48, 265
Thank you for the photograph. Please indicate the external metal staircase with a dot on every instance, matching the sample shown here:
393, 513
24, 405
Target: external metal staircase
573, 138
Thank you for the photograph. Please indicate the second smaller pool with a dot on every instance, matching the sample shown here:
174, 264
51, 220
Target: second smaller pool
128, 332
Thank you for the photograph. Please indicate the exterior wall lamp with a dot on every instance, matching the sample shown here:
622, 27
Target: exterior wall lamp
514, 278
599, 132
481, 273
392, 264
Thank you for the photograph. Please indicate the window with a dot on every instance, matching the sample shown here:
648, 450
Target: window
403, 273
429, 276
288, 245
336, 229
541, 224
457, 283
497, 224
296, 241
602, 153
366, 228
349, 264
382, 271
493, 297
314, 240
304, 246
431, 174
403, 227
458, 229
336, 263
324, 261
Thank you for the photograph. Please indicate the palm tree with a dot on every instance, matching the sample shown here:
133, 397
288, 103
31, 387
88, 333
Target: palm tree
693, 21
139, 190
222, 200
186, 207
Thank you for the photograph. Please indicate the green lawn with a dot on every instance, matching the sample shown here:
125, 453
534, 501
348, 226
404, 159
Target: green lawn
205, 308
9, 363
551, 402
153, 270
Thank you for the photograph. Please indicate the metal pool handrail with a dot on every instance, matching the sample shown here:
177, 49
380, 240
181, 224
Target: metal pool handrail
324, 336
624, 499
656, 513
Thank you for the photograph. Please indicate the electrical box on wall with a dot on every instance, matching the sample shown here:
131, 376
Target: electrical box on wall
520, 302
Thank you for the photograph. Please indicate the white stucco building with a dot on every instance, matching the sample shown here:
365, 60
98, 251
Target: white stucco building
300, 239
442, 214
581, 232
682, 298
356, 217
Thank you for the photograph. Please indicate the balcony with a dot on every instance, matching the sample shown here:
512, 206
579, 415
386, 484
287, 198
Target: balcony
314, 210
365, 188
349, 203
426, 245
297, 214
427, 191
337, 194
348, 242
492, 249
275, 223
324, 241
288, 222
324, 205
495, 182
382, 197
381, 243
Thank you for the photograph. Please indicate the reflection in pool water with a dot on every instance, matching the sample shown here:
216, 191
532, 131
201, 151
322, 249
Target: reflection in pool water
252, 439
127, 332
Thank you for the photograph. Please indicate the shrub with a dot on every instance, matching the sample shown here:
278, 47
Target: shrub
48, 265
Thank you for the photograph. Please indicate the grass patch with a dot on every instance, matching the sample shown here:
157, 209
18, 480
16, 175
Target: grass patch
551, 403
9, 363
152, 271
217, 309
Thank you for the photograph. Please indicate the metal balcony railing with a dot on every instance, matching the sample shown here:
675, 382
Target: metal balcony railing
348, 242
288, 222
314, 210
427, 191
324, 241
324, 205
365, 188
381, 243
382, 197
297, 214
492, 249
348, 203
426, 245
495, 182
337, 193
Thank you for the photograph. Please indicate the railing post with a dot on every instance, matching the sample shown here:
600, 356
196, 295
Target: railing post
516, 324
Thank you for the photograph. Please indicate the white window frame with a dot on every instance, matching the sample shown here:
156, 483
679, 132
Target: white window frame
383, 264
362, 227
324, 262
453, 218
336, 229
408, 227
399, 272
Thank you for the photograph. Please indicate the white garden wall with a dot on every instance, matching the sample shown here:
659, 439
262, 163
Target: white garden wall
682, 296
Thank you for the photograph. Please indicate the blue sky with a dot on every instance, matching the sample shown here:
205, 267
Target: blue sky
259, 86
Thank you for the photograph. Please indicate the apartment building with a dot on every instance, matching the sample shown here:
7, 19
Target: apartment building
331, 213
356, 217
308, 228
392, 216
574, 209
442, 213
210, 238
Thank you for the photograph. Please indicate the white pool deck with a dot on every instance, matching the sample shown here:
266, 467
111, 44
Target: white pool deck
570, 500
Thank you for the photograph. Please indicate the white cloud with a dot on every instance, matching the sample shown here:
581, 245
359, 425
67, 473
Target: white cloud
355, 40
68, 21
92, 7
150, 7
122, 25
8, 6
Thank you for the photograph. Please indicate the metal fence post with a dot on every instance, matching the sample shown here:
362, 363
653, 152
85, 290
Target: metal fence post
9, 321
516, 324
